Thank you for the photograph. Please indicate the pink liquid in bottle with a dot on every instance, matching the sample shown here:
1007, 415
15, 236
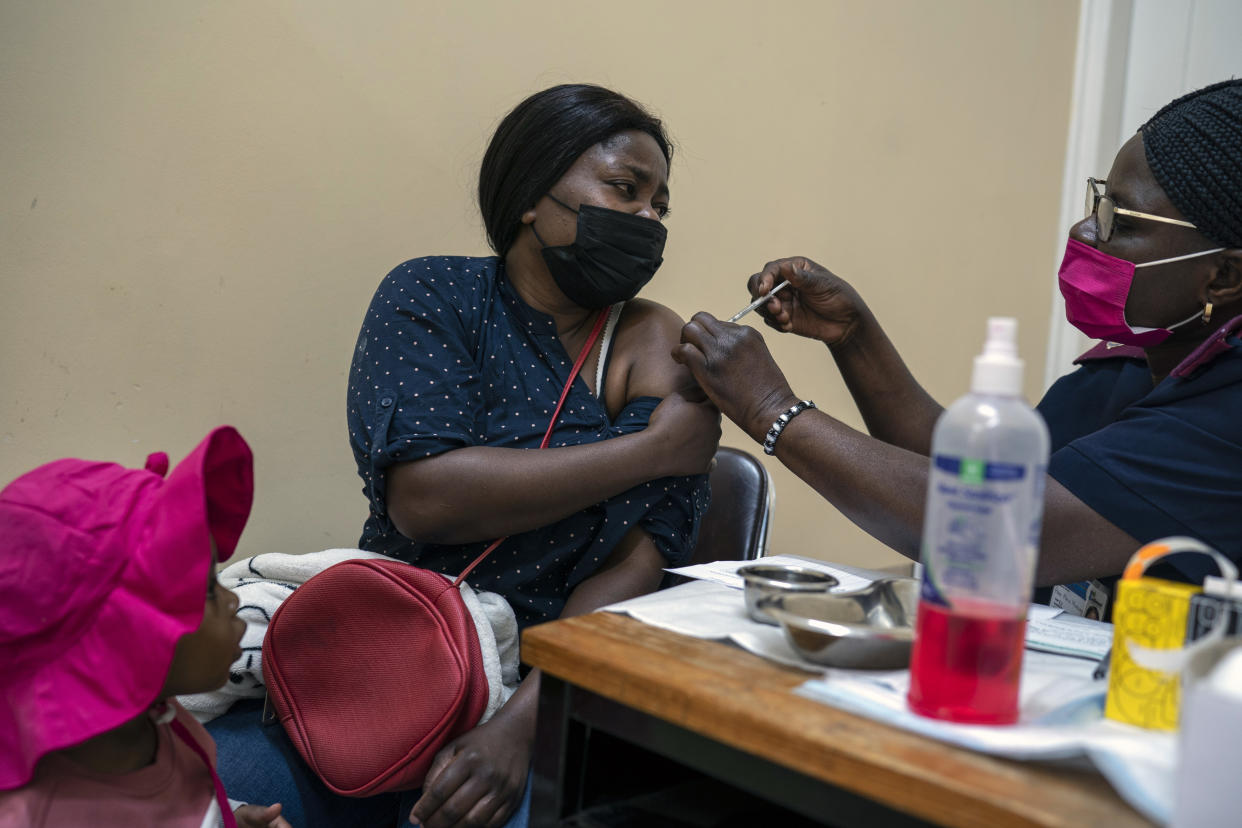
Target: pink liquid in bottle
966, 665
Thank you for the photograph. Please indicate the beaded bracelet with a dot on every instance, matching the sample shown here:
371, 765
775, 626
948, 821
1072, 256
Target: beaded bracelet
769, 442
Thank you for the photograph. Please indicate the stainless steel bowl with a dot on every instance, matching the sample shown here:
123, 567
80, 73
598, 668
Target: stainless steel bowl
763, 580
869, 628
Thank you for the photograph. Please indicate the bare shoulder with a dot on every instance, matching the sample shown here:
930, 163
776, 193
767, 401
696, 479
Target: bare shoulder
642, 365
644, 320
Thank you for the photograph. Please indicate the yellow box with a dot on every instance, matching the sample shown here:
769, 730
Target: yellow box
1150, 612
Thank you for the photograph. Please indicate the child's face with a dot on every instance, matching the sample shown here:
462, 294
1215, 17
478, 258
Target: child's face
202, 658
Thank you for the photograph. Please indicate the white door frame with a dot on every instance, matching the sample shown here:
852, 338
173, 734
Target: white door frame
1095, 123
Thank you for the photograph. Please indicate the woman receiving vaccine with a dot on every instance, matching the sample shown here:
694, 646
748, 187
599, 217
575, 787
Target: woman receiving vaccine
457, 370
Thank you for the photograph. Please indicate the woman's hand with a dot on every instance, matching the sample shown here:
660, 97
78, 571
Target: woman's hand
479, 778
817, 304
258, 816
688, 428
733, 366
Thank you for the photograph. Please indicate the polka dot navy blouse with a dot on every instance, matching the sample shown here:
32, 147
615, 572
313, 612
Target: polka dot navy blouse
449, 356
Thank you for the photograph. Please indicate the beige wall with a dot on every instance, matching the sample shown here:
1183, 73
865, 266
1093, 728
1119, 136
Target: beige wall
198, 200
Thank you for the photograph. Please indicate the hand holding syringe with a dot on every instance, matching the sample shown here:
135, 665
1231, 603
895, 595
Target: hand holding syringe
757, 302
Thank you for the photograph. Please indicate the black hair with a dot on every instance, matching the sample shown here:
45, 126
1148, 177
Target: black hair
1194, 148
539, 141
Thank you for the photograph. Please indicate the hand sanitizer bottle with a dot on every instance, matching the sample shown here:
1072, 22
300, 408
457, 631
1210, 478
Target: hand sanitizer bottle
985, 498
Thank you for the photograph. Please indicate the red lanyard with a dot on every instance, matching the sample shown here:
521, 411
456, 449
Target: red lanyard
582, 358
226, 813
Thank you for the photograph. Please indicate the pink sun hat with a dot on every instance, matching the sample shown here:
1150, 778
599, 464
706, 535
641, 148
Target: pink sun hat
102, 569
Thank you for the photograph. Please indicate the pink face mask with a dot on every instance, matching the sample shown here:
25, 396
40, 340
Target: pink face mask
1095, 286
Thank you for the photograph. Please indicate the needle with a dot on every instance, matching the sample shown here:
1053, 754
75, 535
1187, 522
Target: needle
757, 302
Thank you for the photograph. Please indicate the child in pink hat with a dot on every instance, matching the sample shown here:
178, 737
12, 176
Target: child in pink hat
110, 609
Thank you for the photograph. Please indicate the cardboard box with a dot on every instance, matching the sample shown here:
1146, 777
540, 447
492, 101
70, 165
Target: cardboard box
1210, 747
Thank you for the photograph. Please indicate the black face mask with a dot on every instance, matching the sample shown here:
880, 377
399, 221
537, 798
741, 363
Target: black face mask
614, 255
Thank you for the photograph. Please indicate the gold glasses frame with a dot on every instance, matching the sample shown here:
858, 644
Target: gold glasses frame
1105, 210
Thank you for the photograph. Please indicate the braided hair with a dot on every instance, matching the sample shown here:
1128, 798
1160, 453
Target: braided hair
1194, 149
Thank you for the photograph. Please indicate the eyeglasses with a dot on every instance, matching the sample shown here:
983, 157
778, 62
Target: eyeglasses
1104, 210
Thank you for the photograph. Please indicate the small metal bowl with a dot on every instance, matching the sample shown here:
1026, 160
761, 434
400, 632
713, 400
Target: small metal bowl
763, 580
869, 628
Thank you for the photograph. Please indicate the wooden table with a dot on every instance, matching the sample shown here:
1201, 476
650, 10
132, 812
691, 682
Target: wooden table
731, 715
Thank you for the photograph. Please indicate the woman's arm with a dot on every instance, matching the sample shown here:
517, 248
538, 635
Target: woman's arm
893, 405
484, 492
481, 775
883, 488
880, 487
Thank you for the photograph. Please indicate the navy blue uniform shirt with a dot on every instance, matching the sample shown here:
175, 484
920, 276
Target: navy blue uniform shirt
449, 356
1155, 461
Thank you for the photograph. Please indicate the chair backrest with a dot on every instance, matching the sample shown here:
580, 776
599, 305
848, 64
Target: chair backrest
735, 527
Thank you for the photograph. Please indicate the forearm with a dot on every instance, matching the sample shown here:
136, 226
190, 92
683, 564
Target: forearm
883, 489
893, 405
483, 492
879, 486
1078, 542
634, 568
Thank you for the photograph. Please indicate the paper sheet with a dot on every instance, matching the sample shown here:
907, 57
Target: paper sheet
712, 607
1062, 719
711, 610
1069, 635
725, 572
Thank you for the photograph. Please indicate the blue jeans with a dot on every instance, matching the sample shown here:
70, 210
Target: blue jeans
258, 764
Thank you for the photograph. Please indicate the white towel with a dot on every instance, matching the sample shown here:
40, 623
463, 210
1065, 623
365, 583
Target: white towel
264, 581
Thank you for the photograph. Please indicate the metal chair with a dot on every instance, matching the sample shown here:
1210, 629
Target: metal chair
736, 525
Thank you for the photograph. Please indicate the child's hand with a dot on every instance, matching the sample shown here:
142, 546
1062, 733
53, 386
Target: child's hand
258, 816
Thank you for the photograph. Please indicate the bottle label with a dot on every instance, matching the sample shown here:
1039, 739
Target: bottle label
981, 531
